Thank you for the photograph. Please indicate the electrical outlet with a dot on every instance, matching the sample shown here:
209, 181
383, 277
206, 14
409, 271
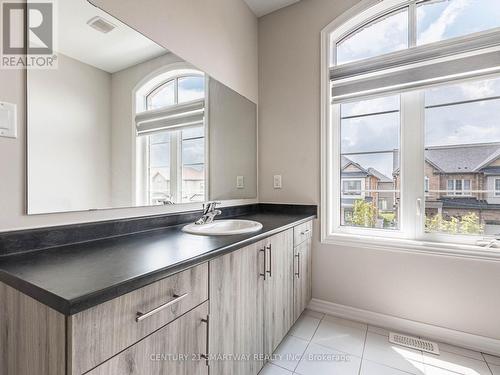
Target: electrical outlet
8, 120
240, 182
277, 181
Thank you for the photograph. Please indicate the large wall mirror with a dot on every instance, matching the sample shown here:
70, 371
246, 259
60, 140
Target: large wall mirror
123, 122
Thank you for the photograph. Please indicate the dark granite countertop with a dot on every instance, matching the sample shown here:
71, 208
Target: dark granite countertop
75, 277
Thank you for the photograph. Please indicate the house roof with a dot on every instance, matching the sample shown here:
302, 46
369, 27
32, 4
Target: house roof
469, 203
462, 158
345, 162
192, 173
380, 176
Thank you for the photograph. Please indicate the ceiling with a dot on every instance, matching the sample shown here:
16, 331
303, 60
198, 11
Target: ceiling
263, 7
119, 49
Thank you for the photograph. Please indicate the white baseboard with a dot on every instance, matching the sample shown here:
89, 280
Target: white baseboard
446, 335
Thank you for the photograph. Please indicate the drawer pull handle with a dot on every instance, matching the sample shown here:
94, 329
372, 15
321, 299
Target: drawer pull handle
264, 273
303, 233
298, 265
206, 356
270, 248
141, 316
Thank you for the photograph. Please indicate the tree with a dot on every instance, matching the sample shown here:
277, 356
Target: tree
364, 214
467, 224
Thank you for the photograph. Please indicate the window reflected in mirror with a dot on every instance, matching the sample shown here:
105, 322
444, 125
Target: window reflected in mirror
172, 133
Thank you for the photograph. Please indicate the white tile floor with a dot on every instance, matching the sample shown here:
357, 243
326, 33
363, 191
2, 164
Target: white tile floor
319, 344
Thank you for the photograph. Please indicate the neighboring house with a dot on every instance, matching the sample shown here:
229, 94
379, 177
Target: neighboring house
193, 186
464, 179
160, 189
366, 184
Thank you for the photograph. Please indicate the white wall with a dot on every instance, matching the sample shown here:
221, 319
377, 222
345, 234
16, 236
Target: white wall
219, 36
69, 137
460, 294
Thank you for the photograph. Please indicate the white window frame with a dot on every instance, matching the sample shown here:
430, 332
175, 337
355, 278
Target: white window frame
458, 192
141, 169
383, 206
497, 189
411, 235
361, 193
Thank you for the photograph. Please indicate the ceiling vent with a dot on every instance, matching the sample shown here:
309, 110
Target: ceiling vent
414, 343
100, 24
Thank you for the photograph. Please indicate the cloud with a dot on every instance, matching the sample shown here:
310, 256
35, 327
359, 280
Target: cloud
387, 35
436, 31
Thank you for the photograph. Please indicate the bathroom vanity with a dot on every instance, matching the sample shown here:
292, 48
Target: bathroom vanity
155, 302
141, 127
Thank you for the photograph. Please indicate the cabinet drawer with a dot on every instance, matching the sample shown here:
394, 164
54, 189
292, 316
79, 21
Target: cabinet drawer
302, 232
100, 332
174, 349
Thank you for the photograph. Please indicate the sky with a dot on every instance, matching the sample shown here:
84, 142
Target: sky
435, 21
190, 88
460, 124
193, 150
477, 122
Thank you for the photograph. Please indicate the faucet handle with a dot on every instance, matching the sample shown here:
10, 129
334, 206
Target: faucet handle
210, 206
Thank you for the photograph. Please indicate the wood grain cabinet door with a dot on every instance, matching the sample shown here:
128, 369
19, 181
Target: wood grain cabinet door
173, 349
302, 285
236, 312
278, 289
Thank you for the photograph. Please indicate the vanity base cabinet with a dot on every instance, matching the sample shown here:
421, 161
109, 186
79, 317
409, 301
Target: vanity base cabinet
173, 349
236, 313
302, 285
278, 289
32, 336
223, 317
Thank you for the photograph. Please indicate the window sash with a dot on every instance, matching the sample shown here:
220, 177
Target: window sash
459, 187
176, 167
412, 191
356, 191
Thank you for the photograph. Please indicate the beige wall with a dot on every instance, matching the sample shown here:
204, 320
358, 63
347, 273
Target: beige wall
218, 36
456, 293
73, 119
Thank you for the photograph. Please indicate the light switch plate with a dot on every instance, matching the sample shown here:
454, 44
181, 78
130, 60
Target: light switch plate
277, 181
240, 182
8, 120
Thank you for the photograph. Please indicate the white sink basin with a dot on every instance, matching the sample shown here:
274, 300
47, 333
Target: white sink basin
224, 227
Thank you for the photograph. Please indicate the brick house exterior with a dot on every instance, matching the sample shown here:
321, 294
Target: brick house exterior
367, 184
463, 179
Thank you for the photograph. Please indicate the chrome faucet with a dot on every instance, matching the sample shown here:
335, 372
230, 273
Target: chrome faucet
209, 213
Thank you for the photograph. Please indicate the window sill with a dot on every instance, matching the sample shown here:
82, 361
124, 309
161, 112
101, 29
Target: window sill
413, 246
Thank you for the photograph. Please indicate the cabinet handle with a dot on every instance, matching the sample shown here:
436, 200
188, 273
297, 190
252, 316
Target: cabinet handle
270, 248
141, 316
303, 233
205, 356
298, 265
264, 273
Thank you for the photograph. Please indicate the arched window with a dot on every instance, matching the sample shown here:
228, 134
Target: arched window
411, 102
170, 126
181, 89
